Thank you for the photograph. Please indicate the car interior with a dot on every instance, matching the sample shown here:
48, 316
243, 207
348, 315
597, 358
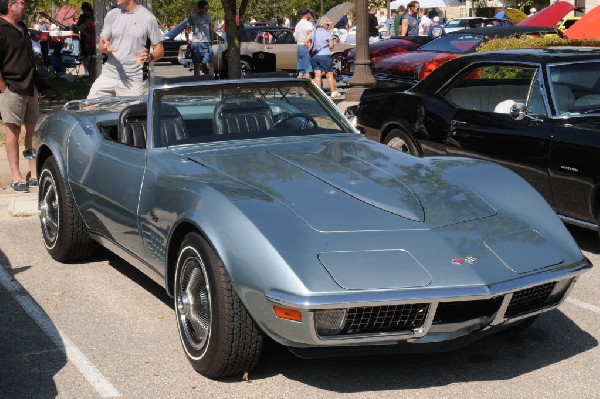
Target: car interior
208, 116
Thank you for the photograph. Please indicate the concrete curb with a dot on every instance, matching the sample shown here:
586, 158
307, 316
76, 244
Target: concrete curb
23, 207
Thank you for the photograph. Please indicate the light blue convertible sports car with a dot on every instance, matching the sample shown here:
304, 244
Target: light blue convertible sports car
265, 214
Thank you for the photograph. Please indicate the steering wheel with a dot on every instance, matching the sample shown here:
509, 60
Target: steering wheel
284, 116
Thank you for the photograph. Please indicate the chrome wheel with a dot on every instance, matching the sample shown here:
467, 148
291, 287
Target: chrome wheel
399, 144
193, 304
48, 209
399, 140
246, 68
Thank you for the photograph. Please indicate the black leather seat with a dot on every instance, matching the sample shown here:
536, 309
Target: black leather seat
132, 125
172, 127
242, 117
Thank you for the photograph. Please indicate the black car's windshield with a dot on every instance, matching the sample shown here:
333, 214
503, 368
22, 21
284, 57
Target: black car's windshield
232, 111
576, 87
453, 43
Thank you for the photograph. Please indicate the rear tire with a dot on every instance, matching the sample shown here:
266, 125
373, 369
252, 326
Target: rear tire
399, 140
218, 335
65, 234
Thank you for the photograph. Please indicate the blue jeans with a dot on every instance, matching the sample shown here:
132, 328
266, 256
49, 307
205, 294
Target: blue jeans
303, 58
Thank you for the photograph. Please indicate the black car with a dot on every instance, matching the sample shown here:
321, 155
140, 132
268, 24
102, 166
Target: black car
172, 40
536, 111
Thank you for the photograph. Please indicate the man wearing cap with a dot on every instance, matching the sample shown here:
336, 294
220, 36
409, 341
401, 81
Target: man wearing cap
302, 30
435, 30
321, 44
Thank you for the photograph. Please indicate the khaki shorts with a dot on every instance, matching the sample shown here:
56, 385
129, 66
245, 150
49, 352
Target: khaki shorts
18, 109
113, 87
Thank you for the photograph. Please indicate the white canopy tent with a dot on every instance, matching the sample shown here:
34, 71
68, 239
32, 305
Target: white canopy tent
423, 3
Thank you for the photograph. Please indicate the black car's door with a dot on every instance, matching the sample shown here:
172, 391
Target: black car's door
105, 177
522, 146
574, 167
482, 126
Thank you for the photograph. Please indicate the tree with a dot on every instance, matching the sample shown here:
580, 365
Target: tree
234, 25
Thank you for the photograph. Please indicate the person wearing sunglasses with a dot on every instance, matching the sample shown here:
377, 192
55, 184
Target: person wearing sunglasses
410, 23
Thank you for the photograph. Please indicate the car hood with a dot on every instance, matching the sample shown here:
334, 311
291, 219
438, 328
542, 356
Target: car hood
408, 62
587, 27
549, 16
349, 186
384, 48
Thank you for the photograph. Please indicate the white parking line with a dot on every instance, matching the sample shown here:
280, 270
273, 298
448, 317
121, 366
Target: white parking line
584, 305
102, 386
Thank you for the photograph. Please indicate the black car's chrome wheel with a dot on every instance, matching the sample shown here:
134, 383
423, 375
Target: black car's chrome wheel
217, 333
336, 60
399, 140
65, 233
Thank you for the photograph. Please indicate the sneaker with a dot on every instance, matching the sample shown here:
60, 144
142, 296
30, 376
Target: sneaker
20, 186
33, 182
335, 94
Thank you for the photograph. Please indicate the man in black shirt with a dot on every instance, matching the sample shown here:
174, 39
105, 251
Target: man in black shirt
373, 25
19, 103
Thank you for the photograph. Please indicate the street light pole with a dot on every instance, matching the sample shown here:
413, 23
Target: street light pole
362, 78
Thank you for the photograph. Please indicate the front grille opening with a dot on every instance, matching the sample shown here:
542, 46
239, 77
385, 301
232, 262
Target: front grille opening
457, 312
378, 319
532, 299
372, 320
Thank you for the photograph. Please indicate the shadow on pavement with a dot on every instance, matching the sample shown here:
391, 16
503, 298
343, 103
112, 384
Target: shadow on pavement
498, 357
29, 358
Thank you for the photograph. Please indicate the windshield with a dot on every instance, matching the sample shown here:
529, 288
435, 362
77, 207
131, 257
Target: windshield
576, 87
233, 111
453, 43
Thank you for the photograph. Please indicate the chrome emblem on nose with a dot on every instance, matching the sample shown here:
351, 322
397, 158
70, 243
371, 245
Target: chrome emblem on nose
459, 261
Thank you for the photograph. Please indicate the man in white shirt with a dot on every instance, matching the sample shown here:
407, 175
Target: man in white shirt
301, 33
424, 22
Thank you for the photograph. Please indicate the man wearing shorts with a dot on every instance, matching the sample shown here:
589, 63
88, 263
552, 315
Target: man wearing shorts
321, 62
19, 102
202, 38
302, 31
123, 38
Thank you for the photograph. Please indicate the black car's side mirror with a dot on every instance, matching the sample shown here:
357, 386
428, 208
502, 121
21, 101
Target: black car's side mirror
518, 111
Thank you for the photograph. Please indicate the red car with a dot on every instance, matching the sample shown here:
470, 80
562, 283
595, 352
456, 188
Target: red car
380, 50
550, 15
418, 64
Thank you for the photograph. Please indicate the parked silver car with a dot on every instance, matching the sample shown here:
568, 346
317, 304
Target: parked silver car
264, 213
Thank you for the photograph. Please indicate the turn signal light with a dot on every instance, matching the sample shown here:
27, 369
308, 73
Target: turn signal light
288, 314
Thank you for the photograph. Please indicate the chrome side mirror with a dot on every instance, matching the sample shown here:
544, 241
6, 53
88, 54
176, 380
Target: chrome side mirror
518, 111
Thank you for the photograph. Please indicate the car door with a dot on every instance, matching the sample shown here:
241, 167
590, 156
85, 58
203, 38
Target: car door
282, 44
483, 128
105, 177
574, 166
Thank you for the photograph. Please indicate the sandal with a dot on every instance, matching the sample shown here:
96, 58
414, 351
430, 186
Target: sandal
33, 182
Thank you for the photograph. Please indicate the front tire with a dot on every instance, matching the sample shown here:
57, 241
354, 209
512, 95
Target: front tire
399, 140
65, 234
218, 335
